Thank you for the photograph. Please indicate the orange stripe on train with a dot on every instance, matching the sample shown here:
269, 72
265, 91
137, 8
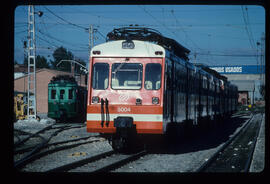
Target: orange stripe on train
141, 127
128, 109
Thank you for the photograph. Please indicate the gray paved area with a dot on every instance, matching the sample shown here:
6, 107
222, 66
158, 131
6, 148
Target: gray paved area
258, 161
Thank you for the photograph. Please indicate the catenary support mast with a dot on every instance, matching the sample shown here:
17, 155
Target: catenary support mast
31, 94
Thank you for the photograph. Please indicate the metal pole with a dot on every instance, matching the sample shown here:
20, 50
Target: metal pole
31, 93
90, 31
91, 44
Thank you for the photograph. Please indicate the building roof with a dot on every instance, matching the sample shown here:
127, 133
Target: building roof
56, 72
244, 85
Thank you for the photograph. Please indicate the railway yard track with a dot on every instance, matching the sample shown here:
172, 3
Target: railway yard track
68, 148
242, 143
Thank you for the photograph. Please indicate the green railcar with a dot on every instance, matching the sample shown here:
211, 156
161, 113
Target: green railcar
66, 99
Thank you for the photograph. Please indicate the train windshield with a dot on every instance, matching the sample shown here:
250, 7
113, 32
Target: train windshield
126, 76
100, 76
152, 76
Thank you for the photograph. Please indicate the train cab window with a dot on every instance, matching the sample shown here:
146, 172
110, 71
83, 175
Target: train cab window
62, 94
100, 76
152, 76
126, 76
70, 94
53, 94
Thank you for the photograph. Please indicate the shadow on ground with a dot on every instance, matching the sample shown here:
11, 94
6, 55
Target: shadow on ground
195, 139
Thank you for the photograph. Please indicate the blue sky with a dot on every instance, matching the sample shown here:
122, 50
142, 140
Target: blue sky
217, 34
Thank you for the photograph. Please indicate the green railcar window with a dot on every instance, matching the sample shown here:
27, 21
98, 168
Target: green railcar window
70, 94
53, 94
62, 94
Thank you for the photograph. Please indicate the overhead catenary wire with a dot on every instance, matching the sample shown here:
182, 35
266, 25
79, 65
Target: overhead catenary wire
230, 55
72, 24
247, 28
52, 43
147, 12
172, 12
54, 22
84, 28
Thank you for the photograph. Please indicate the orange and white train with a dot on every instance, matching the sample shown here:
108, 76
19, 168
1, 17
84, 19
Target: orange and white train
140, 82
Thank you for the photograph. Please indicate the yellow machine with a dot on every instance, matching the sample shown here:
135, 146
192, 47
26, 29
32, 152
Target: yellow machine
20, 107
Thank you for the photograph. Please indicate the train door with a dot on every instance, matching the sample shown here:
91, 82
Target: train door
62, 95
204, 96
182, 102
207, 90
192, 112
211, 97
187, 96
168, 91
196, 95
200, 91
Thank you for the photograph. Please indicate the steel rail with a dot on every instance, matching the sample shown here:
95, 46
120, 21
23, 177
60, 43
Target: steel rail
81, 162
22, 150
120, 163
32, 134
20, 163
215, 155
44, 153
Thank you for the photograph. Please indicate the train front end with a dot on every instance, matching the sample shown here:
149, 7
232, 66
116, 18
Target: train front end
125, 92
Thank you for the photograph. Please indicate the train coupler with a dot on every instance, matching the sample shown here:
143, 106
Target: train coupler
125, 133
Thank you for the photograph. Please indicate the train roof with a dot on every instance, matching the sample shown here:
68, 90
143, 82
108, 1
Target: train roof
210, 71
150, 35
62, 79
141, 49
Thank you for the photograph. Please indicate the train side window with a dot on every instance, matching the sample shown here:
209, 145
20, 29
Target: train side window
62, 93
53, 94
70, 94
152, 76
100, 76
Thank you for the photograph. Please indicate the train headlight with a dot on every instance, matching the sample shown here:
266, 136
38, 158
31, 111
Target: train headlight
95, 99
138, 101
96, 52
128, 44
155, 100
158, 52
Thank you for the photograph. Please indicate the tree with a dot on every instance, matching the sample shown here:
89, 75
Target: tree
25, 61
59, 54
41, 62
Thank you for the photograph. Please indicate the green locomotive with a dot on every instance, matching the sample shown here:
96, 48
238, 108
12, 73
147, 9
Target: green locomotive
66, 99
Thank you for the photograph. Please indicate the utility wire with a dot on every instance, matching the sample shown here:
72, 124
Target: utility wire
101, 34
249, 33
231, 55
84, 28
172, 11
144, 9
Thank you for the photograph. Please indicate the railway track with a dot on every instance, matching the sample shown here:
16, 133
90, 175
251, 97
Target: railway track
43, 148
97, 163
108, 161
236, 154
